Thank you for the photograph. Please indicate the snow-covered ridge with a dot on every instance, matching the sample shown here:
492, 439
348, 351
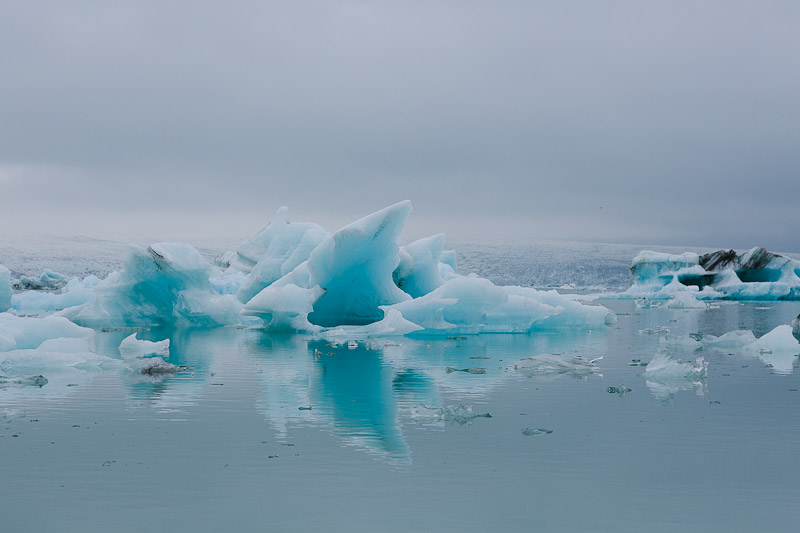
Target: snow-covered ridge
724, 274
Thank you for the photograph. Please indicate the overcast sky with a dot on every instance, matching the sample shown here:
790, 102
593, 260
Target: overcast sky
641, 122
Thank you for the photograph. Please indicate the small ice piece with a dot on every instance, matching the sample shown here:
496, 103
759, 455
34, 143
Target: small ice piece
22, 381
549, 364
47, 281
352, 345
473, 370
733, 339
664, 368
457, 414
658, 330
8, 415
685, 300
644, 303
133, 347
619, 390
5, 289
529, 432
156, 366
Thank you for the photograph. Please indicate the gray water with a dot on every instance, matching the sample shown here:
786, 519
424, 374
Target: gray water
264, 435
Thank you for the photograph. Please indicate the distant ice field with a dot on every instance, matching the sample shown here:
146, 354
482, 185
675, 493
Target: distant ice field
544, 264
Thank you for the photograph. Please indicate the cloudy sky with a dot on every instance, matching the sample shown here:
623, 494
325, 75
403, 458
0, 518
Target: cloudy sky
640, 122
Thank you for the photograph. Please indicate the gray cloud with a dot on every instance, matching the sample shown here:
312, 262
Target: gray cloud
619, 121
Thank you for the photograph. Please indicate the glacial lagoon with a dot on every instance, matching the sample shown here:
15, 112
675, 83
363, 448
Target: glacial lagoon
271, 432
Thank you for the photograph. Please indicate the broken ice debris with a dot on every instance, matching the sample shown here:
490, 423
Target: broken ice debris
22, 381
549, 364
529, 432
664, 368
473, 370
156, 366
620, 390
457, 414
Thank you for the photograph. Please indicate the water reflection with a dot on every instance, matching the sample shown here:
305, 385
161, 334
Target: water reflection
368, 393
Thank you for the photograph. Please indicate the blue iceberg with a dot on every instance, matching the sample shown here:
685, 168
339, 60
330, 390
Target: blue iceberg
756, 274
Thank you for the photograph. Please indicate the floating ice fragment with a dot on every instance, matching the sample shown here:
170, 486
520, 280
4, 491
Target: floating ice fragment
457, 414
450, 369
529, 432
9, 415
659, 330
132, 347
664, 368
22, 381
549, 364
620, 390
155, 366
684, 300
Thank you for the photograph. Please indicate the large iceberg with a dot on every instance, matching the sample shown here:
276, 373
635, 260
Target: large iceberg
345, 281
162, 284
360, 282
356, 282
753, 275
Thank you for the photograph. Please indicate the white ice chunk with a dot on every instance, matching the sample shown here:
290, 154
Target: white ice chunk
779, 339
663, 368
133, 347
553, 365
18, 333
685, 300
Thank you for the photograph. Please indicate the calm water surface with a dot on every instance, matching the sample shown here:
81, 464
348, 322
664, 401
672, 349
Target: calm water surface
265, 435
